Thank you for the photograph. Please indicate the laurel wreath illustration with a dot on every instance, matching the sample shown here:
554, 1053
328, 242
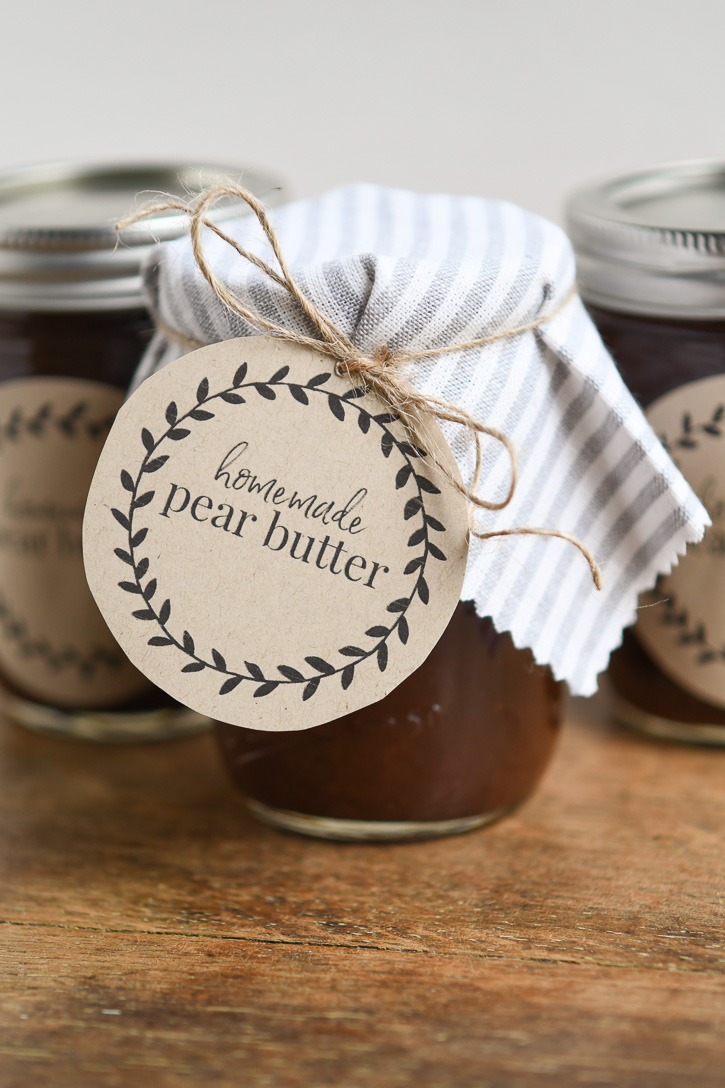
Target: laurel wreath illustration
178, 427
71, 422
692, 633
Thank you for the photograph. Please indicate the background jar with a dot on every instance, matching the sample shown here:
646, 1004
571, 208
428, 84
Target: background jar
462, 741
73, 327
651, 260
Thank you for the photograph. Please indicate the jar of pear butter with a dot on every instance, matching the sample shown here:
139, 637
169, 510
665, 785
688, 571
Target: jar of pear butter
651, 259
73, 326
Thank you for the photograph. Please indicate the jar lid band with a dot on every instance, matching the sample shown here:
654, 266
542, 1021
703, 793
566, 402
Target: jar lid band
653, 242
59, 249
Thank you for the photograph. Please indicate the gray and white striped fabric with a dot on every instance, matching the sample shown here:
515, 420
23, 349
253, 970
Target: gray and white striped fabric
410, 271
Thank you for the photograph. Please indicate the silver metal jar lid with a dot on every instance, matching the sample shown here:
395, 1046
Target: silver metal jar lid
653, 242
58, 244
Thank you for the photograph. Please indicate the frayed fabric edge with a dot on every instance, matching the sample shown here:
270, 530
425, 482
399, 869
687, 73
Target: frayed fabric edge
692, 534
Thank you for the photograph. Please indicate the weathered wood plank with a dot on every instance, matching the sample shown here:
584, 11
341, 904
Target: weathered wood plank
618, 860
579, 942
90, 1008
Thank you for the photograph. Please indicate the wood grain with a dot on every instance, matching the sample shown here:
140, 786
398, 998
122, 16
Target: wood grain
152, 933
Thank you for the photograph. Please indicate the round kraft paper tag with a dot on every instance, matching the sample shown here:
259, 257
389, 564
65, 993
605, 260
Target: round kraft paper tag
685, 630
264, 540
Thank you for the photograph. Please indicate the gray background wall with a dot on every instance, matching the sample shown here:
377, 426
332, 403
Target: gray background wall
507, 98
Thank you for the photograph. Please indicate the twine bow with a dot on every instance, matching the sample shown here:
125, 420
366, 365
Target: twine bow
380, 372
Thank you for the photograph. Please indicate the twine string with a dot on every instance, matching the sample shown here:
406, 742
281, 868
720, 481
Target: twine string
380, 372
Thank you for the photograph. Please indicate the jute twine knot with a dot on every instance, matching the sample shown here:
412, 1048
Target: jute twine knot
380, 372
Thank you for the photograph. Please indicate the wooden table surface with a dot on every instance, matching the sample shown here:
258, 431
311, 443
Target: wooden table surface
152, 934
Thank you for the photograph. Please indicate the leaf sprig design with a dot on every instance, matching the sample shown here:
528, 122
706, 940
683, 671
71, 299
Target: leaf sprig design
86, 663
691, 433
72, 422
689, 632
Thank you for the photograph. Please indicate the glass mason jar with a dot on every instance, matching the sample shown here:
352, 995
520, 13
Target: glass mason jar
72, 330
462, 741
651, 258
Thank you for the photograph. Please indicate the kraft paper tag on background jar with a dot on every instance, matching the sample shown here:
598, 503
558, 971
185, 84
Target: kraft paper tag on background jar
685, 632
266, 541
53, 642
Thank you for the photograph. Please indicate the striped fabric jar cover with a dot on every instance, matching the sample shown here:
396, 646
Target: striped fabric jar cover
413, 272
